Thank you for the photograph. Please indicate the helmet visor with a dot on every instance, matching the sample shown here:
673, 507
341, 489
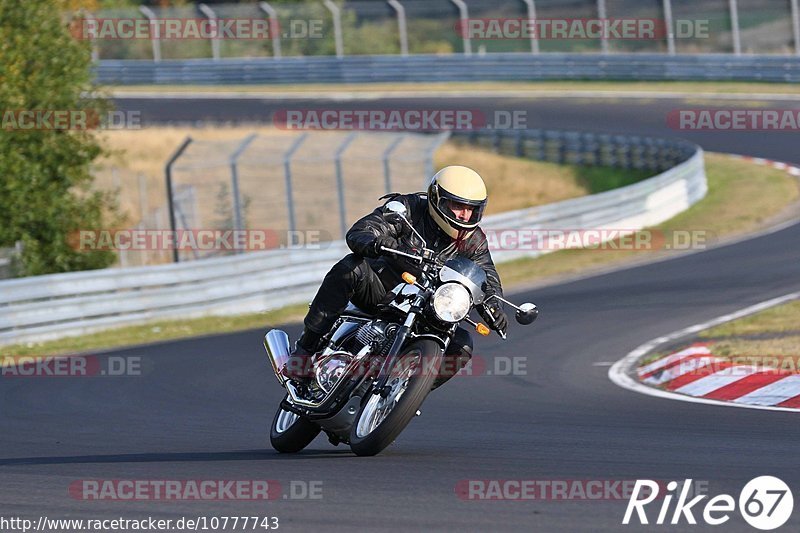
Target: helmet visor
462, 212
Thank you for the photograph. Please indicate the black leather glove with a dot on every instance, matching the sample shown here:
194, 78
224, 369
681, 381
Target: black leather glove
494, 316
384, 240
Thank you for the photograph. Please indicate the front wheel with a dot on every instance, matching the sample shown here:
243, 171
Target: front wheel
290, 433
381, 420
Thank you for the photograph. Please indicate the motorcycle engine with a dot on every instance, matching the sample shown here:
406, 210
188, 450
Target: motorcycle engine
373, 338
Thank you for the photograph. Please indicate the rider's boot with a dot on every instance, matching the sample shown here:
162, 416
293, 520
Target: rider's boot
298, 366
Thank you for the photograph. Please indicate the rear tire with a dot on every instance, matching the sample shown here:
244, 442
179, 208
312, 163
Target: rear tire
367, 438
290, 432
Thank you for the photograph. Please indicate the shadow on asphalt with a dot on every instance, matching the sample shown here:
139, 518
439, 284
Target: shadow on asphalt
244, 455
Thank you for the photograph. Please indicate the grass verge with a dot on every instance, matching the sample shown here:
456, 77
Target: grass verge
739, 195
771, 333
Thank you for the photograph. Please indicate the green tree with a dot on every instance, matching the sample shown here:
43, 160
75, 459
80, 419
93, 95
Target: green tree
45, 179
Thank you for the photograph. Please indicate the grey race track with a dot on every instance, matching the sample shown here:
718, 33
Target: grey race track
202, 408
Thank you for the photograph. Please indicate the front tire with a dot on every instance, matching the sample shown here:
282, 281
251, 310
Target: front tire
381, 420
290, 432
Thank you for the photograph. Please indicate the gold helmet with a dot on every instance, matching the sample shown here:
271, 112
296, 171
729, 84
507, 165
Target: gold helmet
450, 187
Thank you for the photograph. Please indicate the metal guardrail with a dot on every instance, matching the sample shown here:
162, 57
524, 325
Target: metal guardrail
52, 306
435, 68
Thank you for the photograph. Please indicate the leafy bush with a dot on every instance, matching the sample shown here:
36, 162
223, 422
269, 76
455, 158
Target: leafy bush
45, 188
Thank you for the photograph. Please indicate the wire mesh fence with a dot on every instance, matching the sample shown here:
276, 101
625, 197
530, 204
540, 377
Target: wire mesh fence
364, 27
294, 188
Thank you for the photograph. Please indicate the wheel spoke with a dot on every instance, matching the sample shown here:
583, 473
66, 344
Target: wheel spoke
378, 408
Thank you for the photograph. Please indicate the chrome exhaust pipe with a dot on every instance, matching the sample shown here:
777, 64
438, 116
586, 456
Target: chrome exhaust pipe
276, 342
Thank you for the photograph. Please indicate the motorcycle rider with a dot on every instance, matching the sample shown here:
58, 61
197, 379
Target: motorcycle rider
447, 217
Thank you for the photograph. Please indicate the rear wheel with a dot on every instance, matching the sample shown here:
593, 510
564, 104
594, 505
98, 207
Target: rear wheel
290, 432
380, 419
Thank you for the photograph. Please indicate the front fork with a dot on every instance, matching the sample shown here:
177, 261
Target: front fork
399, 340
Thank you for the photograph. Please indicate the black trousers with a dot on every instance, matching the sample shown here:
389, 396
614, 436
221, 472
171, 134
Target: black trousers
352, 279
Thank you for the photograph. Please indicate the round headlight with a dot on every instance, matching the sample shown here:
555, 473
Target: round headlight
451, 302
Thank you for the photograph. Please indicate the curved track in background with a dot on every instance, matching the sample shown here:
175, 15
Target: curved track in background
202, 409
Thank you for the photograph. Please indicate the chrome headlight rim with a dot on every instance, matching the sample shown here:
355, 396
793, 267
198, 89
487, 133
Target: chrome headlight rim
450, 315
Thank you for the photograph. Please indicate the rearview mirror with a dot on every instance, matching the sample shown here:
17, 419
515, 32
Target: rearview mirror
395, 208
527, 313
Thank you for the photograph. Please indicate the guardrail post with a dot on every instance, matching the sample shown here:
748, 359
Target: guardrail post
602, 14
387, 172
155, 35
340, 181
464, 16
287, 174
670, 30
168, 173
737, 35
401, 26
238, 222
532, 16
274, 28
796, 25
337, 26
212, 18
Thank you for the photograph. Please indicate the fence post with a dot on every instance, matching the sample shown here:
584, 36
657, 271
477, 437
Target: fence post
340, 181
737, 36
212, 18
143, 204
464, 16
670, 30
401, 26
237, 196
274, 28
168, 172
532, 17
796, 25
602, 14
92, 34
437, 142
337, 26
287, 174
387, 173
155, 35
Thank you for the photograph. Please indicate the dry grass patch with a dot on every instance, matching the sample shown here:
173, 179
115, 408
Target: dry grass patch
778, 319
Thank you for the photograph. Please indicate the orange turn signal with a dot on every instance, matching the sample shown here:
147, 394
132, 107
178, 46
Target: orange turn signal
409, 278
482, 329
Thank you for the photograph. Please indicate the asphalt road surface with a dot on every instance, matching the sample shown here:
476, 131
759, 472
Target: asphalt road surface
202, 407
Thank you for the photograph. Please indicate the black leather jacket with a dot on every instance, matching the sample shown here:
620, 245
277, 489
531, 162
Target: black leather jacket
362, 235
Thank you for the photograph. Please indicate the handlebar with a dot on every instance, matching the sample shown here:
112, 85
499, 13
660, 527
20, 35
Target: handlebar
428, 256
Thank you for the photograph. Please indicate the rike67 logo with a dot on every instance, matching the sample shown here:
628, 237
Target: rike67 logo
765, 503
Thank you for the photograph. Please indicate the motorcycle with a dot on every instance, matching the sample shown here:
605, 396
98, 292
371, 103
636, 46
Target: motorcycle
375, 371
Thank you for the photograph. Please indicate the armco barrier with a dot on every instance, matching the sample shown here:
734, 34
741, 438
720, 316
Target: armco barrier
436, 68
56, 305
